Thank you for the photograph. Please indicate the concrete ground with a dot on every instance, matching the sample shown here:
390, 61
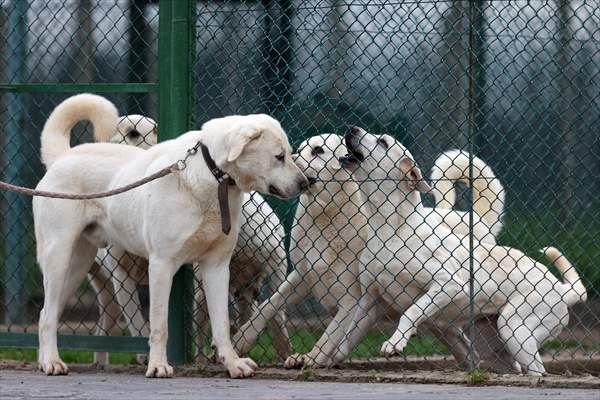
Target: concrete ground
34, 385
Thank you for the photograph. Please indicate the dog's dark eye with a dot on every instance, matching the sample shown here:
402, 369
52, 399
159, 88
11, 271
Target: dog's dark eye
317, 150
134, 134
382, 142
280, 157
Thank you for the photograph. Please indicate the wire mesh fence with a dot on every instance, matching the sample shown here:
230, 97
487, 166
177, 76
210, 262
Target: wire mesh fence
498, 101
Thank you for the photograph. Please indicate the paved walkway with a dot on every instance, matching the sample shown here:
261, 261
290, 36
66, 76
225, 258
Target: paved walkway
32, 385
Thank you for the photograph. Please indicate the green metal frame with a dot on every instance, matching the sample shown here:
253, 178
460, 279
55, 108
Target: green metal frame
177, 50
80, 87
175, 92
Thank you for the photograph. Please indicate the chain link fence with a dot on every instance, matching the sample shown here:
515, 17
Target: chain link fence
54, 49
501, 97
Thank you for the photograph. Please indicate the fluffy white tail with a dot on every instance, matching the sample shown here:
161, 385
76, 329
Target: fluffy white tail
574, 290
82, 107
488, 193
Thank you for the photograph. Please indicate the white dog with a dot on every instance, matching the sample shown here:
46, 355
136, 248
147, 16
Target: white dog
259, 254
170, 221
329, 233
412, 258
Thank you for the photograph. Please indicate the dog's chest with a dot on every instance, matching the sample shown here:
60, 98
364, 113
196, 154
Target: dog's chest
207, 234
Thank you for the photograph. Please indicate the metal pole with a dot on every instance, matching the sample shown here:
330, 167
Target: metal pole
16, 149
177, 20
138, 54
470, 137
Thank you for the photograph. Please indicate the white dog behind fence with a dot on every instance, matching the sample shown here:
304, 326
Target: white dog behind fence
259, 256
171, 221
411, 255
329, 233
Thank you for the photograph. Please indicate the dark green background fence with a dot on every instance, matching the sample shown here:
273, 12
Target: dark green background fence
518, 82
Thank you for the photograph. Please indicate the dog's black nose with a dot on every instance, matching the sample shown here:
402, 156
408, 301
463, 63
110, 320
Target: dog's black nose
353, 130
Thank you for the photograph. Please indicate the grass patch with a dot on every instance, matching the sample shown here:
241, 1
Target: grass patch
304, 340
68, 356
477, 377
558, 344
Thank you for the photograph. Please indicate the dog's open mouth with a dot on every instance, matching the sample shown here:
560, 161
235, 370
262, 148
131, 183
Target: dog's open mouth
275, 191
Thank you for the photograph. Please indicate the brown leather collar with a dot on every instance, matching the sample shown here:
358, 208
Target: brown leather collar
223, 192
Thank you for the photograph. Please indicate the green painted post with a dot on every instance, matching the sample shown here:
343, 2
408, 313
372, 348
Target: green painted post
176, 64
16, 156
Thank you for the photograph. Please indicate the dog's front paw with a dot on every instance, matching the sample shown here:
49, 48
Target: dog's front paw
296, 360
393, 346
159, 370
241, 368
54, 367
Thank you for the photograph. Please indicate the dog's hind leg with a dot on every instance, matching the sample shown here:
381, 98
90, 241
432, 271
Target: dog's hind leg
525, 323
455, 340
321, 354
200, 317
64, 268
109, 310
364, 314
278, 325
124, 272
290, 292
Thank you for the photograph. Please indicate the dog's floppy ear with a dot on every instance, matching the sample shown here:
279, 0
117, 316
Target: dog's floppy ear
413, 175
239, 141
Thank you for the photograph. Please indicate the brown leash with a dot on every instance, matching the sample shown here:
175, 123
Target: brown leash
89, 196
223, 192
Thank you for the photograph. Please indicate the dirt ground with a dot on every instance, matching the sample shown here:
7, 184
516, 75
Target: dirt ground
406, 372
27, 384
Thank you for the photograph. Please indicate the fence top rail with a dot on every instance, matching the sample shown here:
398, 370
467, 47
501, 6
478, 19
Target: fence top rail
79, 87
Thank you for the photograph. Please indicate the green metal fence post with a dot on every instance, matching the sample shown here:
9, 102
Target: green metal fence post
14, 225
176, 54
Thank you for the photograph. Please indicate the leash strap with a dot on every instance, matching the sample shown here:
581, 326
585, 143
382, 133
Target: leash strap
223, 192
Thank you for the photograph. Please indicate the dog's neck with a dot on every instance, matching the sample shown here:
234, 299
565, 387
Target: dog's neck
197, 173
389, 208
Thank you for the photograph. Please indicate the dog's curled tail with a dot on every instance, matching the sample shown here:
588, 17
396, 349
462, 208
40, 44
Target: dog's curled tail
488, 193
574, 290
56, 134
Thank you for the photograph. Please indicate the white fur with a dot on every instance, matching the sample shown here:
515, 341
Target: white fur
488, 193
410, 253
328, 234
57, 131
171, 221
